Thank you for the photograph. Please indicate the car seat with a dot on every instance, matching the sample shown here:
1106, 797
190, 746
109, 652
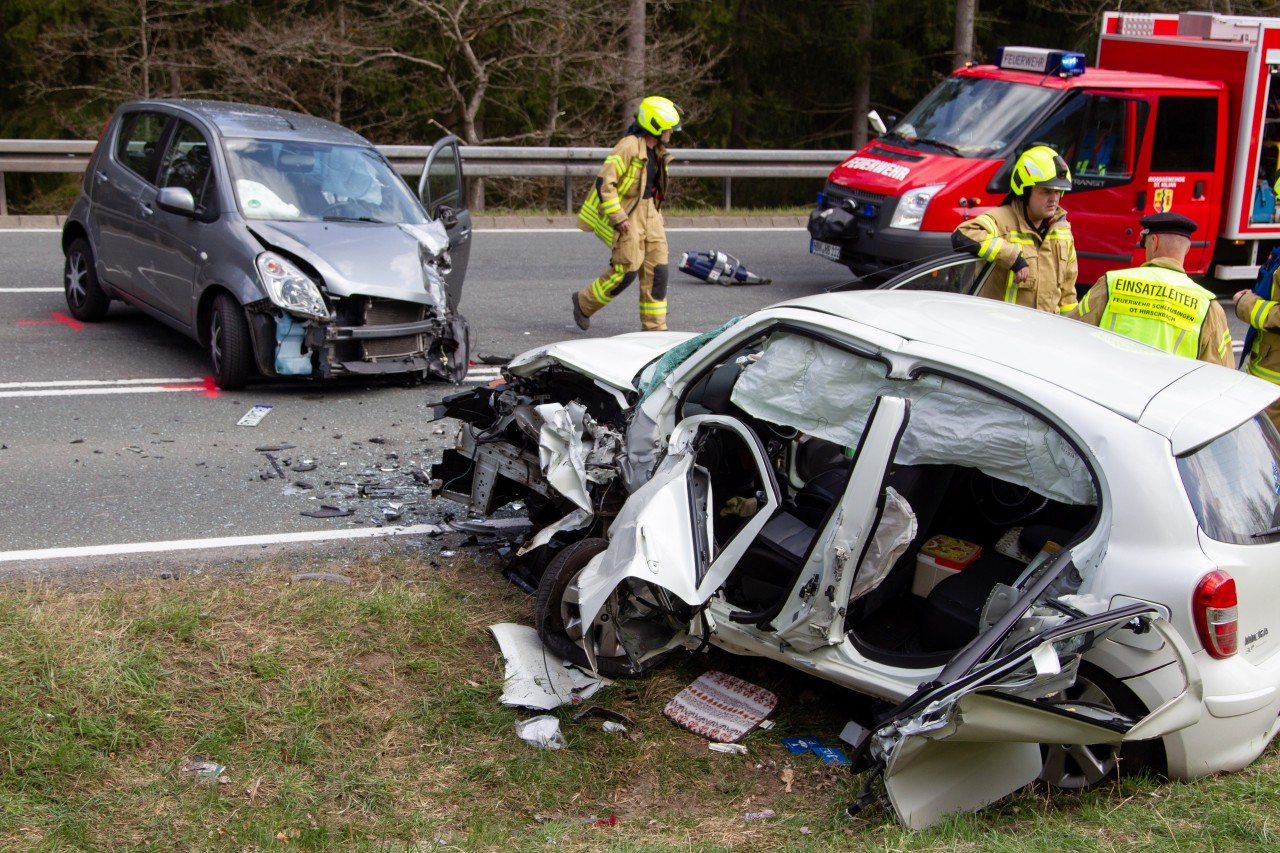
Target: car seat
954, 606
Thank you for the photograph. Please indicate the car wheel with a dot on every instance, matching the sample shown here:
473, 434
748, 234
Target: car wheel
559, 621
229, 343
85, 298
1076, 766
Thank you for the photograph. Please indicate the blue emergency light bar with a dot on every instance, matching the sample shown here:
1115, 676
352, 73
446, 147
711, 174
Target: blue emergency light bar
1040, 60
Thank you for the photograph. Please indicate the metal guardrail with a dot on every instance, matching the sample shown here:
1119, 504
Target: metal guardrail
482, 161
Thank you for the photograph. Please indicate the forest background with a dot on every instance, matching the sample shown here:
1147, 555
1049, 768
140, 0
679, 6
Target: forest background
762, 74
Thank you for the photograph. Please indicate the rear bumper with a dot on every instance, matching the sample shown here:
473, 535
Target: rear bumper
1241, 717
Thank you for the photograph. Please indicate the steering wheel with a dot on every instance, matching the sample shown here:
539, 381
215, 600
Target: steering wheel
343, 209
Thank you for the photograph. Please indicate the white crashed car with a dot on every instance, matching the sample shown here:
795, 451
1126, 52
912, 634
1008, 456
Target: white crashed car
772, 488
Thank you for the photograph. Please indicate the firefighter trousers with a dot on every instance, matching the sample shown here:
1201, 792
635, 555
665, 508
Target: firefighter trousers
639, 252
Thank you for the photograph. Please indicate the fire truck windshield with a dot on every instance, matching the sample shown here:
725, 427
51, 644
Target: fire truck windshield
972, 116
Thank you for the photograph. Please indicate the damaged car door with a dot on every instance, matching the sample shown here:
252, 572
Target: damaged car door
444, 194
769, 572
973, 735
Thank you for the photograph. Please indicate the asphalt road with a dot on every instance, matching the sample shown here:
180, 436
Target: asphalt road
110, 435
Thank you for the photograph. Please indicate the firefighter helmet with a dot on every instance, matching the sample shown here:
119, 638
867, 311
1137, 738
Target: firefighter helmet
1040, 166
657, 114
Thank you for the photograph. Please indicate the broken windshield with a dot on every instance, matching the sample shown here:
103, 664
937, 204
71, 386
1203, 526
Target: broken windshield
972, 116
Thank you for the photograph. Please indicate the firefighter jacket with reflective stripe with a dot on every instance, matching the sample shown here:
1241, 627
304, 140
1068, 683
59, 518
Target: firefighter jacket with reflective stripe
1263, 359
1159, 305
620, 184
1004, 236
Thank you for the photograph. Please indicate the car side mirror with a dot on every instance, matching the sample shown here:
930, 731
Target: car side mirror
447, 215
177, 200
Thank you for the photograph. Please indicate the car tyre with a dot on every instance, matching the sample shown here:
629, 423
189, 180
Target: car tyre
556, 615
1078, 767
85, 298
229, 346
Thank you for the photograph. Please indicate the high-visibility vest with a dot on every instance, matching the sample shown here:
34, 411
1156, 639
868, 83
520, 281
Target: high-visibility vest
1156, 306
1253, 354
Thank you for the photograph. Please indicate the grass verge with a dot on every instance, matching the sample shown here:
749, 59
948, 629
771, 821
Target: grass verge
365, 716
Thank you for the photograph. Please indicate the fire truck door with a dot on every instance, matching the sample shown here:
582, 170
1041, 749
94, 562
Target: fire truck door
1186, 168
1104, 137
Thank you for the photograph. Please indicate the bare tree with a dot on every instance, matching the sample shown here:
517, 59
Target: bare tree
862, 73
633, 88
119, 51
963, 45
315, 60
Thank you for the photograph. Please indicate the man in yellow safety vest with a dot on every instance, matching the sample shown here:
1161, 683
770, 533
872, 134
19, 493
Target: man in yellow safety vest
1158, 303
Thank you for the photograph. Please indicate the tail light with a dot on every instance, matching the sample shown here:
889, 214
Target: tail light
1213, 608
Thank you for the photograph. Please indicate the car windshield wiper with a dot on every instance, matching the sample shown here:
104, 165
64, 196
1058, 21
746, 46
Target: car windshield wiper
351, 219
1270, 531
938, 143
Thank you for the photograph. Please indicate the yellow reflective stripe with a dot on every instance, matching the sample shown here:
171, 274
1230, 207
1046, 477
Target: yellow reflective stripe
1011, 289
1225, 346
611, 205
1258, 315
616, 160
653, 307
1021, 239
986, 222
590, 214
1067, 309
1263, 373
990, 248
629, 178
1083, 305
602, 287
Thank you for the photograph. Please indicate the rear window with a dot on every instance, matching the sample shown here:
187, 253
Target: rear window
1234, 484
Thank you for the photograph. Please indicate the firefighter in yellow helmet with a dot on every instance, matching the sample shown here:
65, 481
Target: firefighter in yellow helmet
1157, 303
624, 210
1027, 237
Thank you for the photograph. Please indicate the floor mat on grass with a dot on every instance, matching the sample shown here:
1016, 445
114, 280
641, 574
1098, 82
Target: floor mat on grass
720, 707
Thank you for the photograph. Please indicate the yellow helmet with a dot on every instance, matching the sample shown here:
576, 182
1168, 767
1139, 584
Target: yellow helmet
1040, 166
657, 114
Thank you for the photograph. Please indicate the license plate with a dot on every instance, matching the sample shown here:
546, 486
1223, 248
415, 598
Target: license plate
826, 250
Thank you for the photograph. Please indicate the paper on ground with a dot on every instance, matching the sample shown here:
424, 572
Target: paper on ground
536, 678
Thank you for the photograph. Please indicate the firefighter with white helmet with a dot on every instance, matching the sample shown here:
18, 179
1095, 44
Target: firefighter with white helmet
624, 209
1027, 237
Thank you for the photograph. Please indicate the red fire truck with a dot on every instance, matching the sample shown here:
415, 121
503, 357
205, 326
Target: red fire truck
1179, 115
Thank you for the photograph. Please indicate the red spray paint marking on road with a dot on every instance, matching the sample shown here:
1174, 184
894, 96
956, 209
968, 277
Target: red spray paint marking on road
58, 317
208, 386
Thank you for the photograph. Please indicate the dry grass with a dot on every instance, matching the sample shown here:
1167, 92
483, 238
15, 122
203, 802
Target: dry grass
365, 717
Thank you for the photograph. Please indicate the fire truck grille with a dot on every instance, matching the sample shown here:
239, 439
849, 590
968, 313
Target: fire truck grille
856, 198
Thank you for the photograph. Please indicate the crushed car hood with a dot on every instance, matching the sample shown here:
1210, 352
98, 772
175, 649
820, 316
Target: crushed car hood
614, 361
384, 260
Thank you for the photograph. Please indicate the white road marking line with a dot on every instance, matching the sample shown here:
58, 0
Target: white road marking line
220, 542
30, 289
71, 383
81, 392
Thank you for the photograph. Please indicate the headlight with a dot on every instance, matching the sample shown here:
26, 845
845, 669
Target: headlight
912, 205
291, 288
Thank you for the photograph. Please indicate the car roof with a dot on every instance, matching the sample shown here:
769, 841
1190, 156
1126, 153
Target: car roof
1186, 400
257, 122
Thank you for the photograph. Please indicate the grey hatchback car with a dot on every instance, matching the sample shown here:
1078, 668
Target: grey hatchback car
285, 244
